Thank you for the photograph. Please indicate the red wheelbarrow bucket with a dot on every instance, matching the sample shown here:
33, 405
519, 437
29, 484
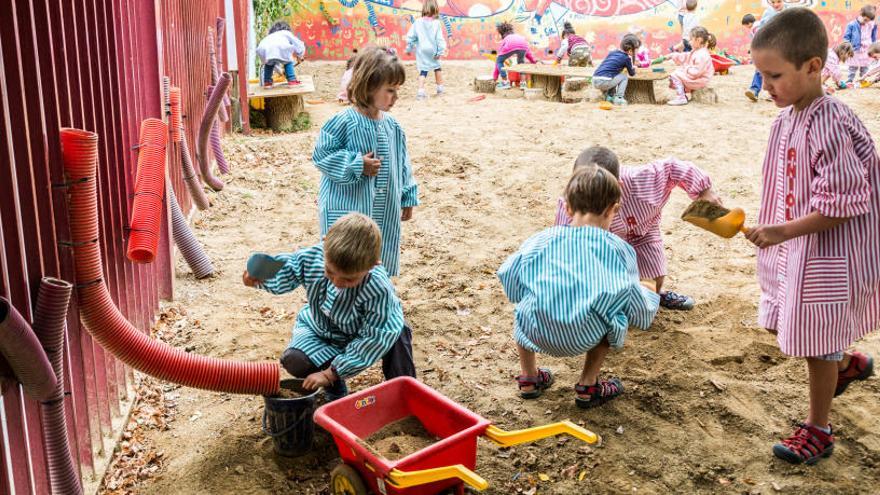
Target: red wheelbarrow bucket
721, 64
447, 463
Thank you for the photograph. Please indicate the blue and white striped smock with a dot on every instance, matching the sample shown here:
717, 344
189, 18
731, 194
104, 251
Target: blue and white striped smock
572, 287
344, 188
352, 327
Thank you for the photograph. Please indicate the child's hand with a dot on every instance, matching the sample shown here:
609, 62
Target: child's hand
249, 281
406, 213
318, 379
371, 165
765, 236
710, 196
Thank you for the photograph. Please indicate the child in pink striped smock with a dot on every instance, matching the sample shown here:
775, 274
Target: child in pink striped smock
819, 225
645, 191
840, 54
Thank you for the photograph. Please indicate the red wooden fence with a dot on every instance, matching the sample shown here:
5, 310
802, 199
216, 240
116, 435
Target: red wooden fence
95, 65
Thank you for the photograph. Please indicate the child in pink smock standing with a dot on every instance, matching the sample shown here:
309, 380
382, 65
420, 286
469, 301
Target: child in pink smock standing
861, 33
819, 225
645, 190
695, 69
512, 45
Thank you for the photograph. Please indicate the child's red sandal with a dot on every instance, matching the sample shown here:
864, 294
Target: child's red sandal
861, 367
600, 393
807, 445
542, 381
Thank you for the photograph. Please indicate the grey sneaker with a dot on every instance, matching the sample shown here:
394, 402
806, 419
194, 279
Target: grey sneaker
671, 300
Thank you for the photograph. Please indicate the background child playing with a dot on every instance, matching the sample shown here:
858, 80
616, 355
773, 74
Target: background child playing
776, 6
861, 33
361, 153
818, 225
689, 22
840, 54
696, 67
280, 46
613, 73
873, 73
512, 45
576, 290
577, 48
645, 190
426, 37
342, 97
353, 316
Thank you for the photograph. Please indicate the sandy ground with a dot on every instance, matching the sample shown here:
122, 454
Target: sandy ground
707, 391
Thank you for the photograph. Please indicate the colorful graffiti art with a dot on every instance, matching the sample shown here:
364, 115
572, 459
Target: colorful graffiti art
332, 28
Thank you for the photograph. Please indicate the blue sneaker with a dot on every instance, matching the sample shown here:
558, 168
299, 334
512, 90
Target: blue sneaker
671, 300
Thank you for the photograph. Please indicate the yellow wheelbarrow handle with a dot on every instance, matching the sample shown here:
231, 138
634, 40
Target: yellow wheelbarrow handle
509, 438
406, 479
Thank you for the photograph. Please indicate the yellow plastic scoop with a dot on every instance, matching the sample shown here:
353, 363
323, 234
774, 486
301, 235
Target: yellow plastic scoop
716, 219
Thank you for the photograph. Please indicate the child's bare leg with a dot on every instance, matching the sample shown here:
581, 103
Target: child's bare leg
422, 80
593, 363
438, 77
658, 283
823, 380
528, 365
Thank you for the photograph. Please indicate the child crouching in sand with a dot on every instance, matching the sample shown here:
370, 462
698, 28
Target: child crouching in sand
645, 190
695, 69
576, 290
818, 226
353, 316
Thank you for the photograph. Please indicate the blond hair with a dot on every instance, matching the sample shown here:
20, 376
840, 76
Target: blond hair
430, 9
354, 243
592, 189
371, 69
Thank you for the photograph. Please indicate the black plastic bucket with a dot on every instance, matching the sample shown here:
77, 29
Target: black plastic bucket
289, 420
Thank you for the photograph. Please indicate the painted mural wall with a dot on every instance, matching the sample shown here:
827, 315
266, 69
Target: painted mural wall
331, 28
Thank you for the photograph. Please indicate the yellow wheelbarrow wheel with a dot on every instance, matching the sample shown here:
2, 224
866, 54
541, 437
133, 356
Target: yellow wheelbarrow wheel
345, 480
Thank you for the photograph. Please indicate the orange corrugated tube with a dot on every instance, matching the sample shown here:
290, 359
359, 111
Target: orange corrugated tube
175, 122
102, 318
149, 191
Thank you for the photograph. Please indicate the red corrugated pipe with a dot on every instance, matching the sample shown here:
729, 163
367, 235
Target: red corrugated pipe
21, 348
186, 241
205, 129
53, 301
100, 315
149, 191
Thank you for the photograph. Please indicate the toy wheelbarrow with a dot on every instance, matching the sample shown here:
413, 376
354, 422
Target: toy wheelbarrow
716, 219
447, 463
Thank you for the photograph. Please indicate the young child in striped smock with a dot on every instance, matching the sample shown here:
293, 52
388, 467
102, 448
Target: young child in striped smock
353, 316
576, 290
831, 71
361, 153
427, 39
818, 228
645, 191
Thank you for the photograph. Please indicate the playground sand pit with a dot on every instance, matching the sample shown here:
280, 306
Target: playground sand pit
707, 391
401, 438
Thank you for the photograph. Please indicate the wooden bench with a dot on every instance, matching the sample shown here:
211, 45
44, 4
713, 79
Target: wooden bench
281, 104
549, 77
640, 88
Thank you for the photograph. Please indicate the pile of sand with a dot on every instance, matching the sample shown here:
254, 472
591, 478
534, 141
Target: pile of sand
707, 390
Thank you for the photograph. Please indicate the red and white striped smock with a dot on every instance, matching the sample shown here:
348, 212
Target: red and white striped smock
820, 291
645, 191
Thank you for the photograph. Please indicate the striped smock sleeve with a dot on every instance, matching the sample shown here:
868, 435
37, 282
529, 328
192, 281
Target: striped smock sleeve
290, 276
333, 158
382, 323
643, 304
840, 187
683, 174
510, 272
409, 189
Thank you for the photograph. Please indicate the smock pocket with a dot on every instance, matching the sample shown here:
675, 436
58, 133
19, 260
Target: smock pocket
826, 281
